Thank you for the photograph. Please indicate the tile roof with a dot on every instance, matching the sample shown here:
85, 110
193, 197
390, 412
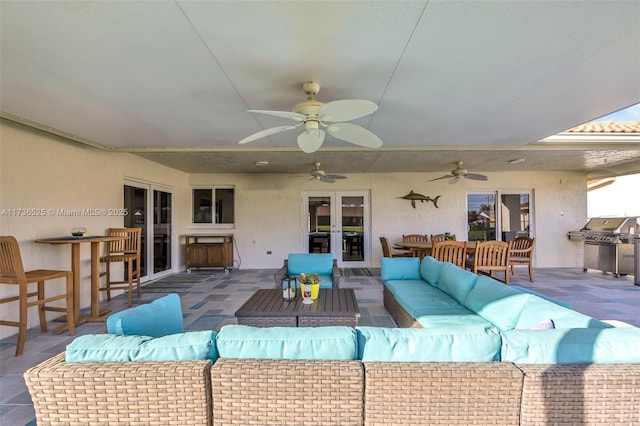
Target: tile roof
606, 127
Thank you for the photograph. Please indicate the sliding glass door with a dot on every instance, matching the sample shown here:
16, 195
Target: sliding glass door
151, 208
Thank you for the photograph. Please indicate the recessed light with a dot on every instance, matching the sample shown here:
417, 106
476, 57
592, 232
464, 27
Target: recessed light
517, 161
262, 163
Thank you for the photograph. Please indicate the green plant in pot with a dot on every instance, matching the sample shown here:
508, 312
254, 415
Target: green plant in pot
313, 283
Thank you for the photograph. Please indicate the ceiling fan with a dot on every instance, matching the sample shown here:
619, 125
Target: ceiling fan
313, 115
458, 173
321, 175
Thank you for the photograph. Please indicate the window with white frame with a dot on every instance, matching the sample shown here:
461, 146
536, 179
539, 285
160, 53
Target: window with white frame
213, 205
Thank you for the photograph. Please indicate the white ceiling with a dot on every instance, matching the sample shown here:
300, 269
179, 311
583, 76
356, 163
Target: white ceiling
477, 81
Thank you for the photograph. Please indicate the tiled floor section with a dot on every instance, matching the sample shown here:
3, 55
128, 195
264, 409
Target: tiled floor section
210, 298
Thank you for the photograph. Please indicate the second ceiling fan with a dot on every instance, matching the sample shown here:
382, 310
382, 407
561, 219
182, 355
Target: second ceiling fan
321, 175
458, 173
315, 115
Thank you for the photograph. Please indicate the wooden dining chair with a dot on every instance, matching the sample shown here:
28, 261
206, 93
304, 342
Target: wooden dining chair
388, 251
438, 237
413, 238
12, 272
490, 257
521, 254
125, 251
450, 251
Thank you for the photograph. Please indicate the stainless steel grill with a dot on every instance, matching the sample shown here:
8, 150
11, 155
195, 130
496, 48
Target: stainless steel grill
608, 244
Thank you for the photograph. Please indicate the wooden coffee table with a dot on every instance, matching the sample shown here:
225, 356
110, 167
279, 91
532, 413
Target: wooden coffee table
266, 308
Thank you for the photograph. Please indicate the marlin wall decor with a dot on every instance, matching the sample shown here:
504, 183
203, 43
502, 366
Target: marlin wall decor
414, 196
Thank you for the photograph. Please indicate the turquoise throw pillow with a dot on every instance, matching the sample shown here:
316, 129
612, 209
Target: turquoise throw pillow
159, 318
466, 343
456, 282
188, 346
319, 263
400, 268
323, 343
430, 269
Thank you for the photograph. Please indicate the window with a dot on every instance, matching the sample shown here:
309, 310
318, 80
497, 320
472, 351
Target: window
499, 215
213, 206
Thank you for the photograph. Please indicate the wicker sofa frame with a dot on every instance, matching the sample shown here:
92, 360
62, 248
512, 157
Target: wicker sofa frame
288, 392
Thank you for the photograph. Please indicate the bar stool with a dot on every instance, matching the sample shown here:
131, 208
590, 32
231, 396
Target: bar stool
12, 272
126, 251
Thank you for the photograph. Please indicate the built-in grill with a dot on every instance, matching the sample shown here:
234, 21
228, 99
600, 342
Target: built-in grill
608, 244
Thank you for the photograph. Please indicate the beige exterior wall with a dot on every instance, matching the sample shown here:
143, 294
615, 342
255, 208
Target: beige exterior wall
41, 171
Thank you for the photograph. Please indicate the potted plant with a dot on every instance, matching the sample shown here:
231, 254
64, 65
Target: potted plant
312, 281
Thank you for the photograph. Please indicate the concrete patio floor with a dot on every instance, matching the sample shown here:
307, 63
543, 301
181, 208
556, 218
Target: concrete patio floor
210, 298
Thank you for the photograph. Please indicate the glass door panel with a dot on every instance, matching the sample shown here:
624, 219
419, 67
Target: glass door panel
481, 217
161, 231
515, 216
135, 201
319, 223
352, 228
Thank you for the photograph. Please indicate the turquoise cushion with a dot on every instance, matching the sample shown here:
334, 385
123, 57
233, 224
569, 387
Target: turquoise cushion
496, 302
319, 263
537, 309
400, 268
326, 343
451, 344
188, 346
430, 269
159, 318
579, 345
451, 320
455, 281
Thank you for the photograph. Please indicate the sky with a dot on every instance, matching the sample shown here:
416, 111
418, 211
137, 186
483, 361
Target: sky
631, 113
622, 197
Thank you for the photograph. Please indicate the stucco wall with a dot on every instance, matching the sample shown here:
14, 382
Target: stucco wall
41, 171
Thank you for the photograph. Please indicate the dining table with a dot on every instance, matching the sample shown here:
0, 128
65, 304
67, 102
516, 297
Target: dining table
96, 314
423, 248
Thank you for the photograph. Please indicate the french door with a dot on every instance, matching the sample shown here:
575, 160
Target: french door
338, 223
150, 207
499, 215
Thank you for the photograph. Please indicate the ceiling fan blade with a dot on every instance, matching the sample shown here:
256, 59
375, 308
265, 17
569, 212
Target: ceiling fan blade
475, 176
267, 132
454, 180
335, 176
311, 140
346, 110
354, 134
442, 177
327, 179
283, 114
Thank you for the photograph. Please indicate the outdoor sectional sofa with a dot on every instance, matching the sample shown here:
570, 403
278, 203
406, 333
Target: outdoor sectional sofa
470, 371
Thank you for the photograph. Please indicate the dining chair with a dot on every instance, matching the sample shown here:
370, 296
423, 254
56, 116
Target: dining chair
521, 254
450, 251
12, 272
126, 251
412, 238
388, 251
438, 237
490, 257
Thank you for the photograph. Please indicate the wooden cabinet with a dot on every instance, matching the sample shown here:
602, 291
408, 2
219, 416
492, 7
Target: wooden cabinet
209, 251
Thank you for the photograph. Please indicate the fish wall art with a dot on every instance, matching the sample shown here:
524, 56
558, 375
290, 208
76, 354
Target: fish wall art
414, 196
